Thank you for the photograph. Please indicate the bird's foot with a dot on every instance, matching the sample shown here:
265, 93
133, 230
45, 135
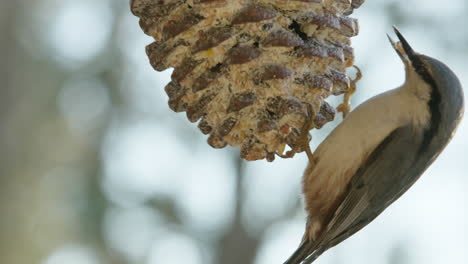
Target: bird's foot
288, 154
303, 140
345, 106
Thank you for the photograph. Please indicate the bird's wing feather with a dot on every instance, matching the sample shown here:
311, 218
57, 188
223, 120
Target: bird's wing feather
388, 172
376, 178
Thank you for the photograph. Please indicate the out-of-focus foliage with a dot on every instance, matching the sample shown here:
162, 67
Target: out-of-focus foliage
95, 168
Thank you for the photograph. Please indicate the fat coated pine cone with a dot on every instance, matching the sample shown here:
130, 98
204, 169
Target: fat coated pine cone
248, 69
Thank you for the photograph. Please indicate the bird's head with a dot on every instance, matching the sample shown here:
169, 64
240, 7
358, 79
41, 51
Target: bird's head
431, 79
433, 72
415, 63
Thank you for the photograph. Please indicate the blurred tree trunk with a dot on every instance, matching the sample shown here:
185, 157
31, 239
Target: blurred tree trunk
237, 245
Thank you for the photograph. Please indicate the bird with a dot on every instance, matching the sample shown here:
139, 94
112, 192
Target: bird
378, 152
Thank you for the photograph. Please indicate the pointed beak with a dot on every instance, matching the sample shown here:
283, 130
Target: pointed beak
402, 47
406, 46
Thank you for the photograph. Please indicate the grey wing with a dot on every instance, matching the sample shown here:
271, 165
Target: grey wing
390, 170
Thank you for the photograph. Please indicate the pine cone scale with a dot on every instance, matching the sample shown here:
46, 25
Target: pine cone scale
248, 69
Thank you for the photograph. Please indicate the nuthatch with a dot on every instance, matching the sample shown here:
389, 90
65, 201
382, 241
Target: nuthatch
378, 152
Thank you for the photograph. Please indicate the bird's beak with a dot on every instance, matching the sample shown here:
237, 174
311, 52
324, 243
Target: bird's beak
402, 47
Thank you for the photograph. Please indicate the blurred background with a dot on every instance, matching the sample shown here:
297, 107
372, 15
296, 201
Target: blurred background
95, 168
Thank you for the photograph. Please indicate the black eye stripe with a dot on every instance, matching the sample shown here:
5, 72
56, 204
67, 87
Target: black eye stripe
421, 70
434, 102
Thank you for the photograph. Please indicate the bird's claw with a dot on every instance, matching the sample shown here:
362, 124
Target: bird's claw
345, 106
303, 140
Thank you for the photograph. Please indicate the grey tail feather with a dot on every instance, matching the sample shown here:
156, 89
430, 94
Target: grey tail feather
299, 255
303, 253
317, 253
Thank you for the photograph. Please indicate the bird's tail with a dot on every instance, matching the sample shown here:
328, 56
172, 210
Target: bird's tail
306, 253
314, 256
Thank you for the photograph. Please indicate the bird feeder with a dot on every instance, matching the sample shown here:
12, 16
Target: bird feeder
252, 73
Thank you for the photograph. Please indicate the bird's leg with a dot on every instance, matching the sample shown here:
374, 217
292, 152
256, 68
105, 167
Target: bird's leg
345, 106
303, 140
308, 125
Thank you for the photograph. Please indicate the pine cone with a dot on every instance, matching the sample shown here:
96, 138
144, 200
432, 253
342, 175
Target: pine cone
248, 69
